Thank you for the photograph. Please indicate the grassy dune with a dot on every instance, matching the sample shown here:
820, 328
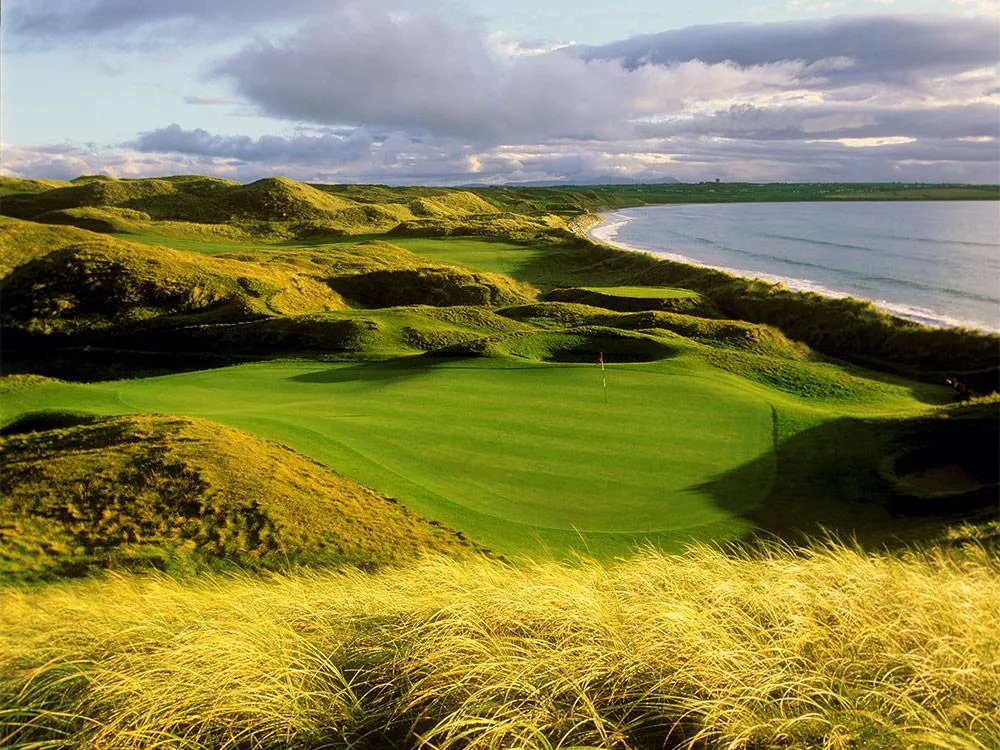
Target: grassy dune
147, 492
818, 647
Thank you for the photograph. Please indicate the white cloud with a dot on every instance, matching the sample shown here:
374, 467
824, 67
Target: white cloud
401, 92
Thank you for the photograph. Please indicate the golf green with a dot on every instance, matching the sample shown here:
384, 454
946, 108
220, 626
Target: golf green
525, 457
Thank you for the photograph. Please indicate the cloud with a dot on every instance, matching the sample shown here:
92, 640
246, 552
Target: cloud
847, 49
826, 120
302, 149
206, 101
425, 73
397, 92
88, 17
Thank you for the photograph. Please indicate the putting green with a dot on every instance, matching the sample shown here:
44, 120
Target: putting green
520, 456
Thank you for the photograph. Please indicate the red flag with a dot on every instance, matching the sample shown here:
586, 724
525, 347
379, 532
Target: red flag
600, 359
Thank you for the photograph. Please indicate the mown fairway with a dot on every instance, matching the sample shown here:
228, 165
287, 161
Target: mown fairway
521, 457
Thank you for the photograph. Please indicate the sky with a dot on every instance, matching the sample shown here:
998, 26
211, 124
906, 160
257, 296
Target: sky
446, 92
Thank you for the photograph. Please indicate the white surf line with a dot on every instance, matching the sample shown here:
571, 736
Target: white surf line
606, 231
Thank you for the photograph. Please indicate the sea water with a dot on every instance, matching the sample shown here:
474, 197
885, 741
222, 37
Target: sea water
936, 262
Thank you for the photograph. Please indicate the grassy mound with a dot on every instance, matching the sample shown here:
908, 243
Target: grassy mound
260, 302
273, 207
732, 334
22, 241
634, 299
379, 333
95, 193
186, 198
579, 344
281, 199
509, 226
430, 286
108, 220
458, 202
104, 282
15, 185
133, 492
818, 647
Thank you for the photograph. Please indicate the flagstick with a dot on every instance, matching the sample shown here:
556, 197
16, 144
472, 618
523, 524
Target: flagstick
604, 377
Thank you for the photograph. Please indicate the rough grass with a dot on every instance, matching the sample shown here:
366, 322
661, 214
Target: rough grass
431, 286
273, 207
23, 241
724, 334
818, 647
83, 493
574, 344
386, 332
109, 220
105, 282
15, 185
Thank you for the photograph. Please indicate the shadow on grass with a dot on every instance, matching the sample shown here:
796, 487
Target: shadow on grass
89, 364
842, 478
397, 368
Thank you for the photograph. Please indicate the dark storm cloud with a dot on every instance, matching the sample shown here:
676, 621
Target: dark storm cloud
862, 48
303, 149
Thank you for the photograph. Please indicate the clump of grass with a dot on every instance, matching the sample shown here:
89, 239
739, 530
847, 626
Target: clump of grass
818, 647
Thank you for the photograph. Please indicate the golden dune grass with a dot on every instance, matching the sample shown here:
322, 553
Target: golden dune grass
825, 647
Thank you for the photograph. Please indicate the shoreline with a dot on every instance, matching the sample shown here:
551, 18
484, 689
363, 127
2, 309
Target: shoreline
602, 231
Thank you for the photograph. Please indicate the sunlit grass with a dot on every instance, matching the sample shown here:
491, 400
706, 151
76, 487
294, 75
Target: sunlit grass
820, 647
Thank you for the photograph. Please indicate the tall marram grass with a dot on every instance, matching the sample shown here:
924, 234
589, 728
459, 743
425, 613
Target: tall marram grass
820, 647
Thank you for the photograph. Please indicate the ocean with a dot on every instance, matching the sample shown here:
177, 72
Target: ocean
935, 262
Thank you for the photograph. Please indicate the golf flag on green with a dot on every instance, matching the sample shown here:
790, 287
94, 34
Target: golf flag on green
604, 377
